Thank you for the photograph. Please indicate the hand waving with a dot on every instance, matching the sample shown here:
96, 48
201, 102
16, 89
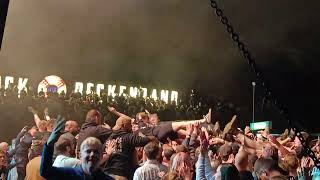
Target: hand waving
56, 132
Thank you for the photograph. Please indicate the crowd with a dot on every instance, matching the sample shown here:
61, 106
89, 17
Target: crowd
76, 105
137, 145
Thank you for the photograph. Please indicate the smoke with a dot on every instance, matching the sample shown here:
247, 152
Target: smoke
169, 43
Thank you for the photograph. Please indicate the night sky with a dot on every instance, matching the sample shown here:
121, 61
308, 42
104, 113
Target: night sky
173, 44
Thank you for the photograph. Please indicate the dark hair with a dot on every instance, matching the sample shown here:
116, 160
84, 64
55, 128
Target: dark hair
300, 152
265, 164
90, 117
171, 176
62, 144
229, 172
235, 148
224, 152
181, 148
214, 148
151, 150
168, 152
36, 148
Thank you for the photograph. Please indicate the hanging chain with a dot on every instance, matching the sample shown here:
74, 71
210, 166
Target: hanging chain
260, 79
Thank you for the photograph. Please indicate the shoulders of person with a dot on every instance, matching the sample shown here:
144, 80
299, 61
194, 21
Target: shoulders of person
86, 125
131, 136
157, 164
73, 173
100, 174
163, 168
68, 136
67, 160
34, 162
137, 172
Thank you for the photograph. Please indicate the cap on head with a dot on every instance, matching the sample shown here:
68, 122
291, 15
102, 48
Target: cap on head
121, 122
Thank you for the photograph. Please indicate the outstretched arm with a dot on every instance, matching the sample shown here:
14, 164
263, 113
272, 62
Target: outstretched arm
114, 111
46, 168
36, 118
280, 147
46, 114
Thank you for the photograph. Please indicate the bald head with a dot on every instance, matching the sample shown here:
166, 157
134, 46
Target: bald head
71, 127
4, 146
94, 116
241, 160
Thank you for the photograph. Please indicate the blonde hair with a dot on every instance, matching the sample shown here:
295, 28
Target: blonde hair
91, 141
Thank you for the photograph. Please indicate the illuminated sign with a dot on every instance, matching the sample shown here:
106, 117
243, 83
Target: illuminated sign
113, 90
53, 84
260, 125
56, 84
22, 82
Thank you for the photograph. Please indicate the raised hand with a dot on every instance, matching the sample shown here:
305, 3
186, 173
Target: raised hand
110, 146
185, 170
46, 111
56, 132
111, 109
24, 129
203, 143
216, 141
32, 110
273, 140
189, 129
147, 112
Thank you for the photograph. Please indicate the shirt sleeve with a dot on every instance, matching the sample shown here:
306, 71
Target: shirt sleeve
47, 170
138, 141
103, 133
204, 170
136, 175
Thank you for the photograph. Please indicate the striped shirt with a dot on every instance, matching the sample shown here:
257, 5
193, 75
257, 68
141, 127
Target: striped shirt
151, 169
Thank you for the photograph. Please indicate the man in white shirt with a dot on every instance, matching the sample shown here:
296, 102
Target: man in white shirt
152, 168
65, 150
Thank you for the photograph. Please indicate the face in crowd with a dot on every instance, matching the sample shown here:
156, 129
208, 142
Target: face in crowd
90, 154
33, 131
72, 127
4, 146
135, 128
2, 159
154, 119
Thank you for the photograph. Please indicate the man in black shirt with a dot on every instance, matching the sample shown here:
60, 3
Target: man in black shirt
93, 127
120, 163
162, 131
22, 150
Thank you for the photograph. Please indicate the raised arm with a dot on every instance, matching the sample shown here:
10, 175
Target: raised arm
114, 111
280, 147
204, 170
36, 118
107, 152
23, 131
46, 168
46, 114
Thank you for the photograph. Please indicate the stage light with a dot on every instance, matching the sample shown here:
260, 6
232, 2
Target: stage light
133, 91
78, 87
99, 88
111, 90
145, 92
8, 80
164, 95
122, 89
22, 83
174, 96
89, 88
52, 81
154, 94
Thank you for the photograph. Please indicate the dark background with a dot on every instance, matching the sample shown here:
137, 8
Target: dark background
175, 44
